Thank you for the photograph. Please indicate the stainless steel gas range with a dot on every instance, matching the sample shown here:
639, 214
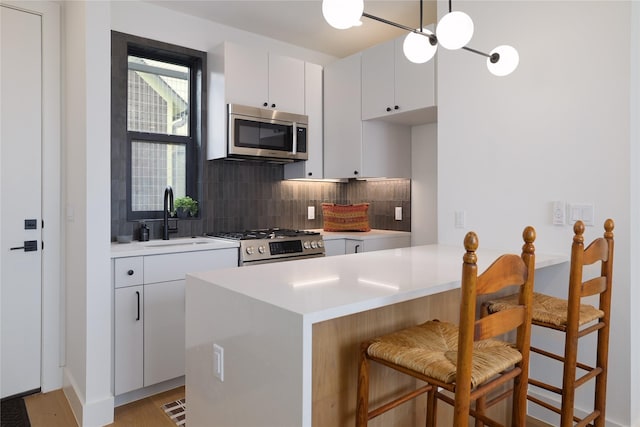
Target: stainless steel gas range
274, 245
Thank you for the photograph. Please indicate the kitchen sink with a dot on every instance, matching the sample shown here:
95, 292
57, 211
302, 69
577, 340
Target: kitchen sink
178, 242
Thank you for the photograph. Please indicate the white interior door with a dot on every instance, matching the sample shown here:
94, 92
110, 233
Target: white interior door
21, 201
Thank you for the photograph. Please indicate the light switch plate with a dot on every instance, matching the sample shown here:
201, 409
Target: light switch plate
581, 211
218, 362
311, 212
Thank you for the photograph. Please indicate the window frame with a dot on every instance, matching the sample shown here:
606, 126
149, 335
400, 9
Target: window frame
123, 45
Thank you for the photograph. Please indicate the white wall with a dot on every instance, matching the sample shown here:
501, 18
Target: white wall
158, 23
87, 374
634, 232
556, 129
424, 184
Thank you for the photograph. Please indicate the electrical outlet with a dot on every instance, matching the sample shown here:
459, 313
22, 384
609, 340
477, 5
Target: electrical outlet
398, 213
311, 212
218, 362
559, 213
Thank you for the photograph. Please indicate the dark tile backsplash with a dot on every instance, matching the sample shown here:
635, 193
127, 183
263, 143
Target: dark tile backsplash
245, 195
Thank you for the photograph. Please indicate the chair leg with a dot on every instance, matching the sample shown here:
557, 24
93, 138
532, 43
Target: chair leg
481, 404
519, 406
568, 380
362, 405
432, 407
601, 380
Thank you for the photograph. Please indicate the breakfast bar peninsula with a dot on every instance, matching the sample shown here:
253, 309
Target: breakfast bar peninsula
287, 335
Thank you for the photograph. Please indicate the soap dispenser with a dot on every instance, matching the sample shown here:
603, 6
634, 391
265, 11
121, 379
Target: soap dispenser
144, 232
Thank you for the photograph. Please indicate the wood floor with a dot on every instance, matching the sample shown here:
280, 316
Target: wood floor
52, 410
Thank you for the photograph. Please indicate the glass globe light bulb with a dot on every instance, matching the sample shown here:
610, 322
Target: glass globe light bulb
507, 62
342, 14
454, 30
418, 48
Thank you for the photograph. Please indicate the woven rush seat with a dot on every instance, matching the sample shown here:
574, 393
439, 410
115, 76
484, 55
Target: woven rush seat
432, 349
548, 309
471, 366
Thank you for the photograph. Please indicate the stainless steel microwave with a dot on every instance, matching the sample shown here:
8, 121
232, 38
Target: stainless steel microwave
257, 133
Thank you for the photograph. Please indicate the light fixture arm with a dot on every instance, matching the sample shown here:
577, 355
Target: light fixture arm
495, 57
432, 37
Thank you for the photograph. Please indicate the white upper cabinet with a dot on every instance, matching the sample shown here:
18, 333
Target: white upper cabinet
257, 78
354, 148
286, 84
394, 88
342, 122
312, 168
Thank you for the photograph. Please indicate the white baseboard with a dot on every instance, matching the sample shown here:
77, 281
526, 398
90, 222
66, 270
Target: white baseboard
141, 393
87, 414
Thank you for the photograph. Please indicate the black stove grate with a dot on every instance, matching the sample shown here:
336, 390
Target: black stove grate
266, 233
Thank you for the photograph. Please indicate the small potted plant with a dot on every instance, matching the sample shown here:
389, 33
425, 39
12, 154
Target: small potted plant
185, 206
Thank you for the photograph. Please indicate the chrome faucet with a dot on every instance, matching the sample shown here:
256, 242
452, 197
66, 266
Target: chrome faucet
168, 207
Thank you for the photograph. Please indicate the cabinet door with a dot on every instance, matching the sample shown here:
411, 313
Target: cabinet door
246, 75
312, 168
378, 80
388, 243
129, 341
164, 333
286, 84
414, 83
354, 246
342, 119
334, 247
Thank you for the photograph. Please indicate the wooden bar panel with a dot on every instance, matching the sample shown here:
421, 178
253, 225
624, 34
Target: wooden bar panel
336, 345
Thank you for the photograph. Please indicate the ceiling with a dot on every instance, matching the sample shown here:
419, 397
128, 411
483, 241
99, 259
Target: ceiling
300, 22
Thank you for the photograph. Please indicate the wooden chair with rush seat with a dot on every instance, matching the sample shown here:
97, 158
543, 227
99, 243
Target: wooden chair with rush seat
576, 320
465, 360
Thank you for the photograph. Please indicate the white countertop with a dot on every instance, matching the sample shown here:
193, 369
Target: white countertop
179, 244
361, 235
325, 288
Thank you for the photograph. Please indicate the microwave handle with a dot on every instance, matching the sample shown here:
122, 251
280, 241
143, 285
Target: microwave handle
294, 149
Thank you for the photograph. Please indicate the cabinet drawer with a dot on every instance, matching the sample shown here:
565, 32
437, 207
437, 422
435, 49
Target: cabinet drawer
128, 272
164, 268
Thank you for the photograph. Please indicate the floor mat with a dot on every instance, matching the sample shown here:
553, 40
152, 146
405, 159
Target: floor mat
176, 411
13, 413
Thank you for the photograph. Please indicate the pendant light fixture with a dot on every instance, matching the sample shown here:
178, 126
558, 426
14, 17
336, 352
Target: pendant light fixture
454, 31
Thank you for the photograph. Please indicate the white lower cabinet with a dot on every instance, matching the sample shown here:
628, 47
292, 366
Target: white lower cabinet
353, 246
356, 246
129, 335
164, 318
334, 247
149, 314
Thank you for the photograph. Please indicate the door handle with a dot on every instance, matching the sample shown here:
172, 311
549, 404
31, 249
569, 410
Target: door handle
138, 297
28, 246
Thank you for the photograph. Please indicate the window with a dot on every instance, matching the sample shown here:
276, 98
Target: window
157, 92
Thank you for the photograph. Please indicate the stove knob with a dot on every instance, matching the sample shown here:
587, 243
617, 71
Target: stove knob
314, 244
250, 250
261, 249
320, 244
307, 245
